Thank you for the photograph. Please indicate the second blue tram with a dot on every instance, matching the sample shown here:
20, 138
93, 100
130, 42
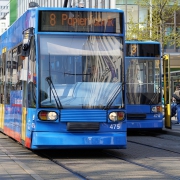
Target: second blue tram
143, 85
62, 81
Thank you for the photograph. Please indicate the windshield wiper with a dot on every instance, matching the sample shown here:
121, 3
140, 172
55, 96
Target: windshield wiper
76, 74
114, 96
49, 80
58, 102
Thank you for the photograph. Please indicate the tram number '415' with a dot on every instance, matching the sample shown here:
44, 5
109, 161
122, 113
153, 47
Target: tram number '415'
115, 126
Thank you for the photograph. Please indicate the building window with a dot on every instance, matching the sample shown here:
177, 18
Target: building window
169, 29
103, 4
143, 14
132, 13
120, 2
96, 3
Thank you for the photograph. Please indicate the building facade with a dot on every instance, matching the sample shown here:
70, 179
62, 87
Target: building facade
138, 14
4, 13
4, 8
23, 5
18, 7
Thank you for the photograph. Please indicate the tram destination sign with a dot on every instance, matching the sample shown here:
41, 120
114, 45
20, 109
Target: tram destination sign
80, 21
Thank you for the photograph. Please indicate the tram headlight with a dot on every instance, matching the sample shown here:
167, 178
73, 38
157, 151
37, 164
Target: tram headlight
156, 109
47, 115
116, 116
52, 116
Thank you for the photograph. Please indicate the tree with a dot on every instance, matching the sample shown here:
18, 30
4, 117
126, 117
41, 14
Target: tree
154, 26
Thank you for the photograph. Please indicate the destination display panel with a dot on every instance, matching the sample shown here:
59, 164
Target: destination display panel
142, 50
80, 21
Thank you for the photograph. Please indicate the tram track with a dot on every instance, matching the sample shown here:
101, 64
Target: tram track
149, 167
146, 167
115, 154
160, 135
156, 147
70, 170
75, 162
112, 154
108, 154
148, 163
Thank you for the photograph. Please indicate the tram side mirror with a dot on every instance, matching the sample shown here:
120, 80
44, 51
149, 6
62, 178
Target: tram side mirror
25, 47
27, 34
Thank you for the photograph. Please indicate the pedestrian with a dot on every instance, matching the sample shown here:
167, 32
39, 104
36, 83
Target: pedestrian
173, 107
176, 108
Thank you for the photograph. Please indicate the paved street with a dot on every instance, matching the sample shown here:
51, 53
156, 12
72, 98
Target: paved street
146, 157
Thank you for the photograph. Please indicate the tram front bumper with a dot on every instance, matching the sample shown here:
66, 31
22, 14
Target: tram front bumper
51, 140
144, 124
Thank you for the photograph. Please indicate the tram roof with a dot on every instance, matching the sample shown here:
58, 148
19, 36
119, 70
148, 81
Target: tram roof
141, 42
29, 19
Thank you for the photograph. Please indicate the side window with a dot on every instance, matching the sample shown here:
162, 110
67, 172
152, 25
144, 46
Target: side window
2, 60
10, 74
9, 86
16, 66
32, 76
3, 76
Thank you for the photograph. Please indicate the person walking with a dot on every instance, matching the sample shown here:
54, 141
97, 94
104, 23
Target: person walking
176, 95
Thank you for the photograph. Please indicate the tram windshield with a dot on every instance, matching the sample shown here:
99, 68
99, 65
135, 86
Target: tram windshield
81, 71
143, 81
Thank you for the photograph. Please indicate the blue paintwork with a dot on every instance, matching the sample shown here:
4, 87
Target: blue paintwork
13, 36
141, 42
152, 120
145, 124
54, 134
56, 127
30, 122
13, 112
47, 134
138, 108
83, 116
78, 140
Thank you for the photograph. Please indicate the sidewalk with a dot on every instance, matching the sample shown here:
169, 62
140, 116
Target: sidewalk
175, 128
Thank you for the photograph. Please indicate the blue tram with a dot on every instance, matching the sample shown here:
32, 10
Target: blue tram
62, 79
143, 85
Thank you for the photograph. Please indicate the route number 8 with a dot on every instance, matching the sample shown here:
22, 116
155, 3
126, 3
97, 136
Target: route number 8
52, 19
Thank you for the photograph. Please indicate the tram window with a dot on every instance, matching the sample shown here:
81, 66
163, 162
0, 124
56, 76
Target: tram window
68, 66
143, 80
8, 82
1, 78
31, 95
19, 67
32, 80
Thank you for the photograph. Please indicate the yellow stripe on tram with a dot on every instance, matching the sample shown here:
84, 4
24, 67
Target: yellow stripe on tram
2, 116
23, 132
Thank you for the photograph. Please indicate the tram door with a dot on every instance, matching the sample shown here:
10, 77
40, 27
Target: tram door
167, 91
2, 79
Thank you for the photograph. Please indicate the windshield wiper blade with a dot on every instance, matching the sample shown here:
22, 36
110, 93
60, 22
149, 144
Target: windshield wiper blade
58, 102
76, 74
119, 89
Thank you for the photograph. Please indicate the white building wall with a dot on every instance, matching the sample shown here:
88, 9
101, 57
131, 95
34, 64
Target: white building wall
4, 8
2, 25
4, 15
24, 4
113, 4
